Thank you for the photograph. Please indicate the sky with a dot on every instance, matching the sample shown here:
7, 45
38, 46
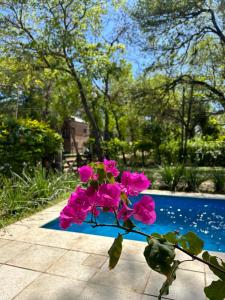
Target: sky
114, 21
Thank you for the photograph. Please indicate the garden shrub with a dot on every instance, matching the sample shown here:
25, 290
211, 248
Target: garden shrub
26, 142
219, 180
169, 152
192, 179
115, 147
206, 153
28, 191
200, 152
171, 176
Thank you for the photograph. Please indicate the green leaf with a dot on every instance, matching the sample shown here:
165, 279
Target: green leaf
94, 184
214, 260
124, 198
191, 242
110, 178
159, 255
157, 235
170, 278
216, 290
171, 237
101, 174
115, 251
129, 224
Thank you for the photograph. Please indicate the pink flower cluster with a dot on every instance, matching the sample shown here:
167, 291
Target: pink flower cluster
103, 193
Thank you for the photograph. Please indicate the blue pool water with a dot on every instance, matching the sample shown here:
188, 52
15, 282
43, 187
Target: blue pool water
206, 217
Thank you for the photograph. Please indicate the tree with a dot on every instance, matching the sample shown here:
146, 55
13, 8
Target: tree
182, 35
40, 94
60, 35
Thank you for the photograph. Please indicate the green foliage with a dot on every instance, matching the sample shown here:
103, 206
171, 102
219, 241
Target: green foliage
171, 175
219, 180
115, 147
26, 142
200, 152
115, 251
159, 255
191, 242
20, 194
216, 290
170, 151
169, 280
206, 153
191, 179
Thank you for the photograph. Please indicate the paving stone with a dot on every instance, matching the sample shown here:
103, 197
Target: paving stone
3, 242
133, 250
14, 280
93, 244
188, 285
70, 265
50, 287
192, 265
12, 232
129, 275
95, 261
99, 292
39, 219
58, 239
33, 235
12, 249
209, 278
37, 257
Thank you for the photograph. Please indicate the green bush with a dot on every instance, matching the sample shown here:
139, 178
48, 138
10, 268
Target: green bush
169, 152
200, 152
219, 180
206, 153
26, 142
115, 147
191, 179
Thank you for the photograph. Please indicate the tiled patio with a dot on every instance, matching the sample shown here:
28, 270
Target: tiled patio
38, 263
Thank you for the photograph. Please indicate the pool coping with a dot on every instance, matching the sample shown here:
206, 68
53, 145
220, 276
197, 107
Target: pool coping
184, 194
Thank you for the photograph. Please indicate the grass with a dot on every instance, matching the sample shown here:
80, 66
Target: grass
22, 195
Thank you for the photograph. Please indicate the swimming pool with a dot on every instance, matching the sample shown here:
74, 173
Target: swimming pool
206, 217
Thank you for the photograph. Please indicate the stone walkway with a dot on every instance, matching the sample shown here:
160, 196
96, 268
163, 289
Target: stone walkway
43, 264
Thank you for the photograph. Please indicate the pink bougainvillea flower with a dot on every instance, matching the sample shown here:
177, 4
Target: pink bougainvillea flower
125, 212
110, 167
83, 199
85, 172
144, 210
134, 183
71, 214
109, 195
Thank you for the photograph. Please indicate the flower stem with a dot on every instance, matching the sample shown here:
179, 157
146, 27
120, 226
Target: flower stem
95, 224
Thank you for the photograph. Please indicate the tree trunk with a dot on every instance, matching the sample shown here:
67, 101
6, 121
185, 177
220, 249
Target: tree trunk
143, 158
106, 129
188, 122
181, 158
96, 131
84, 102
